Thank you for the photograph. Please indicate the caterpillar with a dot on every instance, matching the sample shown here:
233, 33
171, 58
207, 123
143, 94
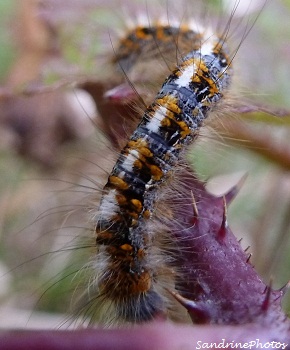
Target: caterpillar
128, 279
130, 271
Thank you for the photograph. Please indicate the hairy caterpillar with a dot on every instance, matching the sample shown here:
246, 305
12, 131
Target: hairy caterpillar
169, 124
177, 44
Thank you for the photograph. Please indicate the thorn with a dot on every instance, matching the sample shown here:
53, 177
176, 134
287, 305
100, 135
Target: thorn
236, 189
195, 209
248, 247
197, 312
266, 302
194, 206
120, 93
240, 240
285, 288
248, 258
224, 225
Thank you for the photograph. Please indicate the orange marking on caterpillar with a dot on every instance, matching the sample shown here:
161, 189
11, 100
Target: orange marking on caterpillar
118, 183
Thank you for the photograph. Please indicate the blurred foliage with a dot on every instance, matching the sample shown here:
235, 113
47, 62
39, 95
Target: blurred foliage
7, 52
